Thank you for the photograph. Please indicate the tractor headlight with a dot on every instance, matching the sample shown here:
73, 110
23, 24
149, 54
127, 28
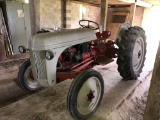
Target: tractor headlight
22, 49
49, 55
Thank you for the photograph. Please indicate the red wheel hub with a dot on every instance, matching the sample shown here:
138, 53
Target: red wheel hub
90, 96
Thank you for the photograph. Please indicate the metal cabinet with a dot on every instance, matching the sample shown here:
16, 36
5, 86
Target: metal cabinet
19, 24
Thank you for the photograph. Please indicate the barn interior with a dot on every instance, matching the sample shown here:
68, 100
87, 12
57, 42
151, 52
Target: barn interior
21, 19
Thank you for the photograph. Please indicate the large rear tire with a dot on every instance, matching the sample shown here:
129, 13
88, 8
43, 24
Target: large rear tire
85, 94
25, 78
132, 51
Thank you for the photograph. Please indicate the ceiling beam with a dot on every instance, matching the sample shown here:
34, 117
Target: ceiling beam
143, 4
115, 2
87, 3
155, 2
127, 1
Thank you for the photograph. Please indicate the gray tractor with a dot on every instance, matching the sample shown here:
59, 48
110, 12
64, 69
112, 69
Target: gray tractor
66, 54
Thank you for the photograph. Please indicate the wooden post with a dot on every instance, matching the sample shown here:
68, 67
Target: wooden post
152, 111
132, 13
104, 12
63, 13
34, 6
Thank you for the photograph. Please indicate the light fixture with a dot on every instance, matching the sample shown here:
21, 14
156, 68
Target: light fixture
26, 1
49, 55
22, 49
82, 11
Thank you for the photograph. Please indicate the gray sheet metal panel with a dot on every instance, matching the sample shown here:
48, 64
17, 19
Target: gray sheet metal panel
62, 38
27, 22
16, 25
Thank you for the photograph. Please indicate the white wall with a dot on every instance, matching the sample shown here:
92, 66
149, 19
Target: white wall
151, 24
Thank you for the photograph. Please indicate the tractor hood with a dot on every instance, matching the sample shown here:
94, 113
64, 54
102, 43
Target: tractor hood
52, 40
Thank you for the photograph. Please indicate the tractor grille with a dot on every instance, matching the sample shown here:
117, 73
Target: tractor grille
38, 64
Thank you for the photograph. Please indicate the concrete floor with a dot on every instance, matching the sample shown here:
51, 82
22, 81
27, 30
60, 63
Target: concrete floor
50, 104
9, 89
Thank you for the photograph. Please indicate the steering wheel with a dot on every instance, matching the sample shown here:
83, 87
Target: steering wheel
88, 25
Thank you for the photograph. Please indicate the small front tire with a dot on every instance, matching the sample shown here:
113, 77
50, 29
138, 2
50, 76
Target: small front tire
85, 94
26, 79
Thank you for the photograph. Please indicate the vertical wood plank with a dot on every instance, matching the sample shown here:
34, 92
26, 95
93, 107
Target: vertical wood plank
132, 13
104, 12
34, 6
63, 13
152, 111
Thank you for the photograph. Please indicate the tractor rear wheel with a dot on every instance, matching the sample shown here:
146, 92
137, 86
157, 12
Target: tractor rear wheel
132, 51
85, 94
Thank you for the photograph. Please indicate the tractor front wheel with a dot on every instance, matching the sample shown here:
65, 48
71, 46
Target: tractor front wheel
26, 79
85, 94
131, 54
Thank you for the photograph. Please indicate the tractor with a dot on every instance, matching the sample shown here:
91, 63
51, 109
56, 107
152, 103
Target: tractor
72, 53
